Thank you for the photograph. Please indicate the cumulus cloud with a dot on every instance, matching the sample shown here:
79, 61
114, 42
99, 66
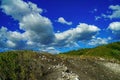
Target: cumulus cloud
63, 21
40, 27
115, 12
38, 30
115, 28
30, 20
9, 39
18, 8
81, 33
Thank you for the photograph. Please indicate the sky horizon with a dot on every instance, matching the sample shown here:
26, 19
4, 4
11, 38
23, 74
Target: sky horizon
58, 26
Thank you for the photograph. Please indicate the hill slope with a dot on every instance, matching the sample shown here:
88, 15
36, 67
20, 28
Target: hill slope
29, 65
110, 51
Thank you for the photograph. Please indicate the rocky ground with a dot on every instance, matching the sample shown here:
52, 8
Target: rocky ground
76, 68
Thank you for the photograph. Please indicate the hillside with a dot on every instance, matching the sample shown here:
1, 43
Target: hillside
109, 51
86, 64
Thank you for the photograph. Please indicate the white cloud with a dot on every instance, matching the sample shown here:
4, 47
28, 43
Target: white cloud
115, 12
30, 20
81, 33
14, 35
9, 39
10, 44
63, 21
18, 8
99, 41
50, 50
34, 22
38, 30
38, 26
115, 28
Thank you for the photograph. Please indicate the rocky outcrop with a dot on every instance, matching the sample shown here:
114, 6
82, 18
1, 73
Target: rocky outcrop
60, 72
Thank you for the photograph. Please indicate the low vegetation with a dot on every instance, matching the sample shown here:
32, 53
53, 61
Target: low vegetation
16, 65
110, 51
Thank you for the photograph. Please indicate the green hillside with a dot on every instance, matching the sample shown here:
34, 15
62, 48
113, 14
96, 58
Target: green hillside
16, 65
109, 51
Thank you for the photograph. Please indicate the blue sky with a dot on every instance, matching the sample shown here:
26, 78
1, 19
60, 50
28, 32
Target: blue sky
58, 25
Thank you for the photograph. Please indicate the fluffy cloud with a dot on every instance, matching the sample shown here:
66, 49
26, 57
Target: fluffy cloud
63, 21
37, 26
10, 44
38, 30
115, 28
40, 27
99, 41
18, 8
81, 33
9, 39
115, 12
